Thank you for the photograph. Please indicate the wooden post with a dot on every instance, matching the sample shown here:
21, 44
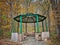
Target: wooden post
43, 26
21, 24
37, 24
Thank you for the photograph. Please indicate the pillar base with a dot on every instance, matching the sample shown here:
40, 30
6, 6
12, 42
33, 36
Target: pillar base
45, 35
14, 36
38, 36
21, 37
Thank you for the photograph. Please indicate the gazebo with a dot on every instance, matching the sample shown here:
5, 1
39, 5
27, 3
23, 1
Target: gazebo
30, 18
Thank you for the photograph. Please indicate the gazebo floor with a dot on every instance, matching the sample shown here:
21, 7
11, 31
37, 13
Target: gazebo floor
32, 41
28, 41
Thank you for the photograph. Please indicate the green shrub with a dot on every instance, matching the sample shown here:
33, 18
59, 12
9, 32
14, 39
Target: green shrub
8, 33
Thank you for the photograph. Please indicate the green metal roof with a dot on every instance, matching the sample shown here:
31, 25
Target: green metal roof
30, 18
